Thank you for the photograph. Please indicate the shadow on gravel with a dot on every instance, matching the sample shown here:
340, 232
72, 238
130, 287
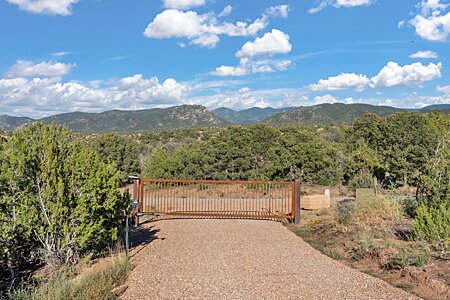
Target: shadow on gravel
142, 236
168, 217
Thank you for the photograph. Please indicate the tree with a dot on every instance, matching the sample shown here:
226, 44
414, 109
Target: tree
57, 197
432, 220
303, 154
121, 150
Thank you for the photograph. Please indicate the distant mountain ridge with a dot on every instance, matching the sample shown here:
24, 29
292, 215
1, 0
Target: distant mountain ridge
197, 116
250, 115
184, 116
336, 113
12, 123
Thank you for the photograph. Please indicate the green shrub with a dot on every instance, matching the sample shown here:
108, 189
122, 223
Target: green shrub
409, 205
121, 150
410, 256
366, 241
58, 199
345, 210
433, 224
363, 179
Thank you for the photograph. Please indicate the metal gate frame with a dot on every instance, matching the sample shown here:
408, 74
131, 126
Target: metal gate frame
139, 194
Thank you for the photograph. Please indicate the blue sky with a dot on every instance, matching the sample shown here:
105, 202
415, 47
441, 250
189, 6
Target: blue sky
93, 55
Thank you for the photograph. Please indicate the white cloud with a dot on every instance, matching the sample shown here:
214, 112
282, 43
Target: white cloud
183, 4
349, 100
175, 23
340, 82
430, 7
245, 98
117, 58
443, 89
248, 66
230, 71
401, 24
244, 90
278, 11
206, 41
339, 3
203, 29
274, 42
324, 99
424, 54
24, 68
387, 102
431, 23
61, 53
352, 3
427, 101
48, 7
40, 97
226, 11
393, 75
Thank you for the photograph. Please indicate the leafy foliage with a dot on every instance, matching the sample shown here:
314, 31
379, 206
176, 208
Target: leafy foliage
432, 220
123, 151
363, 179
433, 224
57, 198
251, 152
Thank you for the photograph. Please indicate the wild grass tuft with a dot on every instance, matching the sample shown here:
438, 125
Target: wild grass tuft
95, 283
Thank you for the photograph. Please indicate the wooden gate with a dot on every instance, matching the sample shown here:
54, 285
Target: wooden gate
218, 198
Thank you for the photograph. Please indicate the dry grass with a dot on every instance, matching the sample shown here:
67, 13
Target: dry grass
96, 282
379, 212
373, 234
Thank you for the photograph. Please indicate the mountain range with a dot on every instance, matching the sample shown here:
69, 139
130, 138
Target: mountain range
250, 115
197, 116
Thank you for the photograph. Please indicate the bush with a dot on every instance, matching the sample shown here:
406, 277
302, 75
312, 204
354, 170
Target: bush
363, 179
433, 224
345, 210
409, 256
409, 205
57, 198
121, 150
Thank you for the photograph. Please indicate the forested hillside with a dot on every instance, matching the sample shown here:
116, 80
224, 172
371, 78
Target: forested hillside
337, 113
197, 116
248, 116
185, 116
400, 144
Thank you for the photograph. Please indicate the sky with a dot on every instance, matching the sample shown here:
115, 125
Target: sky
59, 56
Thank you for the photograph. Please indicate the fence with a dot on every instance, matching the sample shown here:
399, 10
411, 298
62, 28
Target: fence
219, 198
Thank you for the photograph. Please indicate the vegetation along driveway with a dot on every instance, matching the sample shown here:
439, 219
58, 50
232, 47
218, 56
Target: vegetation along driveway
240, 259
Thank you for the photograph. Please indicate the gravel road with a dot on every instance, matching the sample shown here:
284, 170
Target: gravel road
241, 259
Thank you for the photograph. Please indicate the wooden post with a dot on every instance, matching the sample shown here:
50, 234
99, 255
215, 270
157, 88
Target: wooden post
297, 202
137, 197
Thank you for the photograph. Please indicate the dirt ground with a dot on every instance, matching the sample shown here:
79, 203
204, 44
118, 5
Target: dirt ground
240, 259
430, 281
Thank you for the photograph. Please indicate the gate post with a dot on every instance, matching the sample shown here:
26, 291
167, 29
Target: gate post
136, 199
297, 206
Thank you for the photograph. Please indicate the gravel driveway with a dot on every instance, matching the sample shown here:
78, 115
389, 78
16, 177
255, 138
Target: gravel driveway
241, 259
